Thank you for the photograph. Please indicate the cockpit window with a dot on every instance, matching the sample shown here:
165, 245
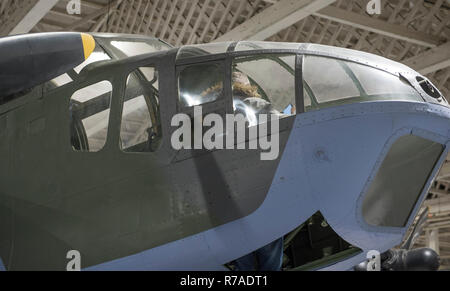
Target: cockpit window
361, 56
200, 84
376, 82
264, 85
135, 48
332, 82
400, 180
191, 51
89, 117
328, 80
266, 45
117, 48
140, 127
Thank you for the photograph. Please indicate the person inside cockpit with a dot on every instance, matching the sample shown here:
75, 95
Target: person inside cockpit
248, 101
248, 94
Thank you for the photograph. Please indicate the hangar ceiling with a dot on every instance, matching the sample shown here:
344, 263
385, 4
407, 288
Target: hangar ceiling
414, 32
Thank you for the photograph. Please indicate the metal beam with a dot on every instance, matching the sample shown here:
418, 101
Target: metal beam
112, 8
39, 10
431, 60
12, 14
438, 205
372, 24
445, 171
433, 240
274, 19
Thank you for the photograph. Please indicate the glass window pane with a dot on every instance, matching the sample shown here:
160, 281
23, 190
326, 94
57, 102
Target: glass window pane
150, 75
259, 45
400, 181
328, 79
200, 84
358, 55
377, 82
139, 129
332, 82
135, 48
92, 91
191, 51
264, 85
90, 109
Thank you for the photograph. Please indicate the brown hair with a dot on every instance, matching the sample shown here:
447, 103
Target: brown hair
245, 90
241, 89
214, 89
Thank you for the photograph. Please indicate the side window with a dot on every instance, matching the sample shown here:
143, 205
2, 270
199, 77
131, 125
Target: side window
400, 180
200, 84
89, 117
332, 82
135, 48
264, 85
140, 129
326, 81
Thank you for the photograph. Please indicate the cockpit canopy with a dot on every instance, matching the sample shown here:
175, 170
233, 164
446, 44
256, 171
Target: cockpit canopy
254, 78
265, 77
331, 75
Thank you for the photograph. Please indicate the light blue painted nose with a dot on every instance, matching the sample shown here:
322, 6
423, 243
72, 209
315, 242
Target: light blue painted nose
334, 155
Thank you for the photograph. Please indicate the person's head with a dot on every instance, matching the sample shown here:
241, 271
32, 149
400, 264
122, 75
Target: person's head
241, 78
242, 88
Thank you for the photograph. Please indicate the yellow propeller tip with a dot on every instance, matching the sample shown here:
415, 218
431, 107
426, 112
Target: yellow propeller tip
88, 44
